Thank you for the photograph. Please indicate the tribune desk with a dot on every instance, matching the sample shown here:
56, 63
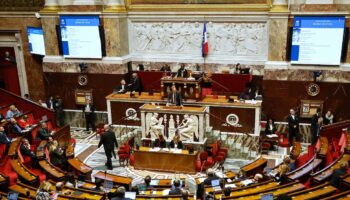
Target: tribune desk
165, 161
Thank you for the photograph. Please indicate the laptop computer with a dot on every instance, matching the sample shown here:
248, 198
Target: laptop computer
267, 197
12, 195
215, 182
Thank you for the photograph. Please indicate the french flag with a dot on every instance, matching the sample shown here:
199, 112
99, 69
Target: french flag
205, 45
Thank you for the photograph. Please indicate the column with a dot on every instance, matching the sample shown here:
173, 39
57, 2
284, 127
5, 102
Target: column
143, 124
87, 2
201, 126
114, 6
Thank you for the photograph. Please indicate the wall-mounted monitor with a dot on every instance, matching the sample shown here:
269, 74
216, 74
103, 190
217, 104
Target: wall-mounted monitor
317, 40
80, 36
36, 40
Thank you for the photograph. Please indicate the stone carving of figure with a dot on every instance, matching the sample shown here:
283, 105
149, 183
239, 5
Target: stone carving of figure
156, 126
187, 128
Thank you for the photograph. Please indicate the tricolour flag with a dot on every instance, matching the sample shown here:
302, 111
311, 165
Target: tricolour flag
205, 45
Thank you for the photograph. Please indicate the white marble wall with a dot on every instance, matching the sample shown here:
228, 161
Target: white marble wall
228, 40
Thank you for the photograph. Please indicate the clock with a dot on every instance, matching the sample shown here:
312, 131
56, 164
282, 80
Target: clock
82, 80
313, 89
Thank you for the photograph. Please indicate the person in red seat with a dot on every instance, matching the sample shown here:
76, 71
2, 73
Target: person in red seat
13, 112
26, 151
2, 118
4, 139
57, 156
23, 122
337, 173
44, 133
15, 127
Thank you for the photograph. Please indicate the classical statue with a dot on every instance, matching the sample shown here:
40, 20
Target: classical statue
156, 126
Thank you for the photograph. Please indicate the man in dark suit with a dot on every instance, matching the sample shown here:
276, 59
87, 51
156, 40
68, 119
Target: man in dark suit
59, 111
25, 149
177, 190
122, 88
337, 173
315, 126
176, 142
135, 84
44, 133
89, 111
182, 72
174, 97
211, 176
293, 126
51, 103
3, 138
15, 128
109, 141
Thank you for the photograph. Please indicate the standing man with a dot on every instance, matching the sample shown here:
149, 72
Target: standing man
50, 103
174, 97
293, 126
59, 111
89, 111
135, 84
182, 72
315, 126
108, 141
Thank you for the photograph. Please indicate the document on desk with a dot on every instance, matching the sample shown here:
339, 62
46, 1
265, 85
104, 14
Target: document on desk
177, 151
166, 192
154, 182
272, 136
154, 149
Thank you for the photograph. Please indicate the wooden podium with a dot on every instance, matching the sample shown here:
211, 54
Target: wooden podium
171, 118
189, 88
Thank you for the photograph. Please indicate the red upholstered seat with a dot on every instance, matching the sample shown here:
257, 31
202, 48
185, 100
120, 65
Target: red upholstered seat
24, 159
282, 140
223, 151
301, 160
124, 154
336, 148
329, 156
2, 153
132, 160
39, 173
265, 146
206, 161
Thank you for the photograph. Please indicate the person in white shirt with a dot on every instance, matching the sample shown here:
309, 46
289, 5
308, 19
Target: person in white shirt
40, 102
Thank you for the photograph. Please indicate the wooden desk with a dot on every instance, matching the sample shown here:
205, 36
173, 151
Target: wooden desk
117, 180
326, 173
323, 148
255, 188
166, 183
62, 135
283, 189
302, 172
340, 196
24, 172
229, 175
4, 181
22, 189
53, 172
162, 197
80, 168
314, 192
346, 181
254, 167
14, 146
165, 161
82, 193
70, 151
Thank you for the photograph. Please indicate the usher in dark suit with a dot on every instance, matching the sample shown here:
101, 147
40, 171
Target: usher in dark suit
314, 128
293, 127
90, 117
108, 141
136, 85
175, 99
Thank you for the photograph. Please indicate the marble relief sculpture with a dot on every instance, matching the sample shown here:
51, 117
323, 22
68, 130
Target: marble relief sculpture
156, 126
188, 129
229, 38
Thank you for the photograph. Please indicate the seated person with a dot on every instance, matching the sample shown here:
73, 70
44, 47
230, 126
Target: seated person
182, 72
13, 112
26, 150
176, 142
184, 194
227, 192
211, 176
148, 180
160, 141
44, 133
270, 127
119, 194
57, 155
122, 88
282, 169
165, 68
98, 185
337, 173
44, 191
70, 181
23, 122
328, 118
43, 104
2, 118
174, 97
247, 94
177, 190
15, 128
4, 139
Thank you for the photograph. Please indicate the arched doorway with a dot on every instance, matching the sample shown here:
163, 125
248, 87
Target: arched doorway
8, 70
